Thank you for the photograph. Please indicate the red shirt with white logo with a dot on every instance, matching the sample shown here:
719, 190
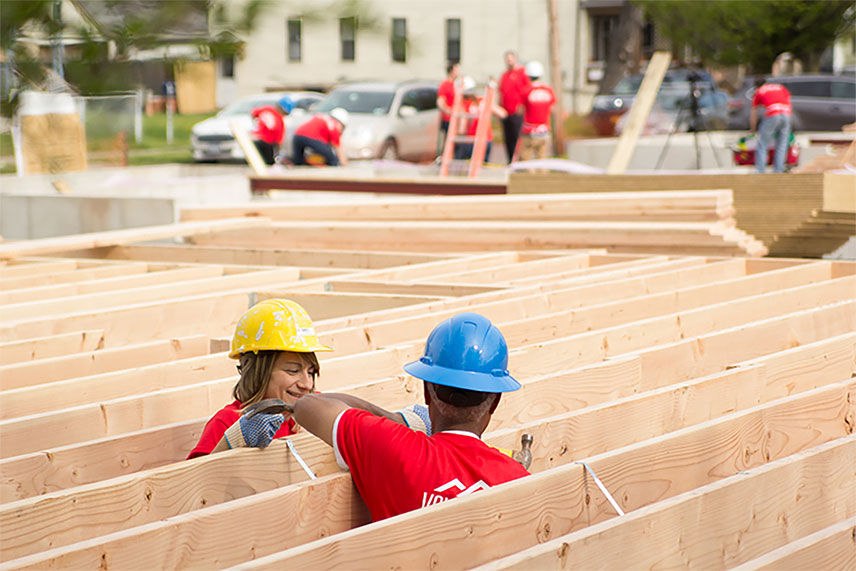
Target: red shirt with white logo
446, 91
270, 127
513, 86
223, 419
474, 107
322, 128
538, 102
396, 469
775, 97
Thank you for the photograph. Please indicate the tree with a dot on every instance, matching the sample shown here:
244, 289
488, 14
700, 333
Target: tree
732, 32
623, 53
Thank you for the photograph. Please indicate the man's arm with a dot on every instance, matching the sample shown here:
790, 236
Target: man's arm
442, 106
317, 413
753, 118
343, 158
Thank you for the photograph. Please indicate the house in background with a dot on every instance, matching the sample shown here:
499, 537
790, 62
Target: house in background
397, 40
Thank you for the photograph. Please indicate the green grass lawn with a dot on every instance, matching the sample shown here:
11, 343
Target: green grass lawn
153, 149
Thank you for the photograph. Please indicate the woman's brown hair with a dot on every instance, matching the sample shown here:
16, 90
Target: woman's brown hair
256, 369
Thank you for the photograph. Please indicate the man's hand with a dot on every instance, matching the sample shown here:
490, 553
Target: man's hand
255, 430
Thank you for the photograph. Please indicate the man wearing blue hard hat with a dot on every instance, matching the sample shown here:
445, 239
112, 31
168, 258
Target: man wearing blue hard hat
269, 127
396, 469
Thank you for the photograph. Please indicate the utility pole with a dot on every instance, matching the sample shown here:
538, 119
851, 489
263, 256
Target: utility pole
57, 47
556, 80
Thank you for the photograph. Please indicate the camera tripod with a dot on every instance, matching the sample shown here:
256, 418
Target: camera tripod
689, 110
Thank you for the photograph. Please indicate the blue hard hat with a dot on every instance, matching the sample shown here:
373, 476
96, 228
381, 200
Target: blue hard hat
467, 352
286, 102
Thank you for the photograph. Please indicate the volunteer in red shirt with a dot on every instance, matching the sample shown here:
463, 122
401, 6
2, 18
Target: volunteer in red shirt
775, 127
396, 469
269, 129
535, 133
445, 100
513, 87
323, 134
275, 345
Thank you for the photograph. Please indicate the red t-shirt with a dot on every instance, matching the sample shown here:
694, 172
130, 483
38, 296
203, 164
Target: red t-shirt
396, 469
322, 128
223, 419
539, 101
474, 107
513, 86
774, 97
446, 91
270, 127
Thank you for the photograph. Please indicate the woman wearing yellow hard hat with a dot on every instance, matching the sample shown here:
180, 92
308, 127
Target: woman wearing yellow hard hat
275, 344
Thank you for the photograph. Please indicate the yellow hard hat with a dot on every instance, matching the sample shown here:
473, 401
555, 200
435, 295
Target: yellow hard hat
275, 325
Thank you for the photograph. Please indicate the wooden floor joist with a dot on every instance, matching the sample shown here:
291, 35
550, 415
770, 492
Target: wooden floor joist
690, 384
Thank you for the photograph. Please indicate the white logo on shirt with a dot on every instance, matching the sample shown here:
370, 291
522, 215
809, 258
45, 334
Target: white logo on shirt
435, 498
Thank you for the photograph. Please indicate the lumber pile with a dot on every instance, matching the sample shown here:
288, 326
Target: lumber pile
822, 233
684, 222
713, 396
766, 204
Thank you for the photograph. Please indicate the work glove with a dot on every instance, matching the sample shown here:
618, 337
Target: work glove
253, 430
416, 417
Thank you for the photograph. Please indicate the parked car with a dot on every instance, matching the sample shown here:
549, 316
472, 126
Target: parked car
211, 140
821, 102
672, 97
396, 121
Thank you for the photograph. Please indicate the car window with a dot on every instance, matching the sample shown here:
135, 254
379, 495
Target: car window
244, 107
843, 89
305, 103
420, 99
355, 101
818, 88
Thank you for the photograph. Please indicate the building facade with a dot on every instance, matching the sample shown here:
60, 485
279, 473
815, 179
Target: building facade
407, 39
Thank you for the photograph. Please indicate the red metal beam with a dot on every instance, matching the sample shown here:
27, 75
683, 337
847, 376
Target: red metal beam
442, 187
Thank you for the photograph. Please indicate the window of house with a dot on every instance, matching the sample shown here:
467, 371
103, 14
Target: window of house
347, 35
399, 40
294, 35
227, 66
453, 39
602, 27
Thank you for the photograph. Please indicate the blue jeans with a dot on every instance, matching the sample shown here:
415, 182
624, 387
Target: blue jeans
299, 144
773, 130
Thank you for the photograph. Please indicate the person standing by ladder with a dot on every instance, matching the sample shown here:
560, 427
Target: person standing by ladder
445, 100
513, 87
535, 134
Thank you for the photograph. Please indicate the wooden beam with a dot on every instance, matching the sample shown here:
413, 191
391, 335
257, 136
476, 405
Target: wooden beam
269, 256
251, 153
213, 314
327, 305
74, 276
719, 525
638, 114
23, 350
43, 246
833, 547
652, 237
28, 373
139, 295
33, 268
141, 279
685, 205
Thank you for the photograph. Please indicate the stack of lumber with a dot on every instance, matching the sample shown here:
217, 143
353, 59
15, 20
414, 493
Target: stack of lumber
822, 233
714, 398
766, 204
697, 222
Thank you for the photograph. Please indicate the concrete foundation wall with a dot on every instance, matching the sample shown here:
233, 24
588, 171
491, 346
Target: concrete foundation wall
27, 217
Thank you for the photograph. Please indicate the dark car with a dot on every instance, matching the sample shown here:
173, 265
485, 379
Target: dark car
673, 103
820, 102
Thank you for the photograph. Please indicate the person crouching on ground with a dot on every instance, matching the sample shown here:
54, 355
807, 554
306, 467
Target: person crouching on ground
396, 469
322, 134
269, 129
275, 345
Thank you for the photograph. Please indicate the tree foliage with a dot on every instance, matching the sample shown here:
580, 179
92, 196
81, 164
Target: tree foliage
752, 32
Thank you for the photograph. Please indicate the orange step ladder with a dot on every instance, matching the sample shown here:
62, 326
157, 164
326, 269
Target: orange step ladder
455, 124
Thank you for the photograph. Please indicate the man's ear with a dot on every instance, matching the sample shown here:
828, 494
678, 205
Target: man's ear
495, 403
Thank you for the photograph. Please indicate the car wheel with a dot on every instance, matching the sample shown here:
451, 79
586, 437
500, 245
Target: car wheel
389, 151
